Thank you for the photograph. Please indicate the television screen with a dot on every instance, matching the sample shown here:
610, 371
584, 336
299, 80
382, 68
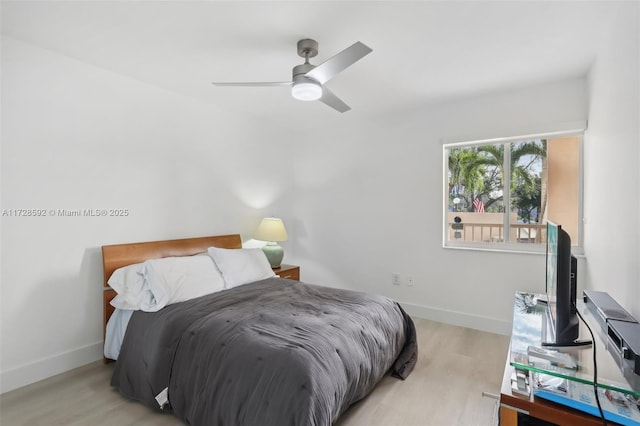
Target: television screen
552, 268
560, 294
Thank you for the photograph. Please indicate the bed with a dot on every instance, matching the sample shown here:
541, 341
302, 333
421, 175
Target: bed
266, 352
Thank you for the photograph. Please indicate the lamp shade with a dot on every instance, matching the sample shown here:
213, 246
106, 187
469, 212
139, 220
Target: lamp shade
271, 229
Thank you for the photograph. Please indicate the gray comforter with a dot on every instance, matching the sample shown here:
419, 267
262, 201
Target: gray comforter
273, 352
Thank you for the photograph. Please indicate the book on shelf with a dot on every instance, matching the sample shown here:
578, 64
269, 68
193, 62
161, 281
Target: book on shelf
617, 406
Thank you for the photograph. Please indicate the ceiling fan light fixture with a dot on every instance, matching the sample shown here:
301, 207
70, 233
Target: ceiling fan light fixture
306, 91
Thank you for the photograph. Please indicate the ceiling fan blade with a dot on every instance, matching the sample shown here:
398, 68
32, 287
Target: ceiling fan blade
332, 66
328, 98
253, 84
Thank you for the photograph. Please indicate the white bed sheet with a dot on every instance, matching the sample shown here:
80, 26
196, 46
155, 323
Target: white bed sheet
116, 328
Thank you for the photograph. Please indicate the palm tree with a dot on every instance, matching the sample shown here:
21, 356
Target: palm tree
542, 214
477, 172
493, 156
526, 200
466, 174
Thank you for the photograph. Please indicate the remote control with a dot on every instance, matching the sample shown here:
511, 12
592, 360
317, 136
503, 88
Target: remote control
556, 358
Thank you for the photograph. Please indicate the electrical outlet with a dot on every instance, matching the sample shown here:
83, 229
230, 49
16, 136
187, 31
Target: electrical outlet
410, 282
395, 279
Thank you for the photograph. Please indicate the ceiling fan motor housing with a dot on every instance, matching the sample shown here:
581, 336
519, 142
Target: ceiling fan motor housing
307, 48
301, 70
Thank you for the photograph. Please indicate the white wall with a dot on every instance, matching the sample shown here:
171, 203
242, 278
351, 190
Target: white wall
368, 203
78, 137
612, 155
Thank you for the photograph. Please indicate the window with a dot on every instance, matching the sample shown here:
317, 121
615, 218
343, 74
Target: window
500, 193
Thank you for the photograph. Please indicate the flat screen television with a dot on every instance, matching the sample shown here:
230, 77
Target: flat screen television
561, 293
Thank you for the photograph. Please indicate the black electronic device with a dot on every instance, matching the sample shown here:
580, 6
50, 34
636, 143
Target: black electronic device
561, 290
605, 308
625, 338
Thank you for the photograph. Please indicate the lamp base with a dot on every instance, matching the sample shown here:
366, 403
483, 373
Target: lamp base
274, 254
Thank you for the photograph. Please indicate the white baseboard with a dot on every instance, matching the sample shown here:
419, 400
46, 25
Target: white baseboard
491, 325
48, 367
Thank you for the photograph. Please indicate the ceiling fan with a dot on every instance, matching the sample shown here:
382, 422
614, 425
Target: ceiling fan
307, 81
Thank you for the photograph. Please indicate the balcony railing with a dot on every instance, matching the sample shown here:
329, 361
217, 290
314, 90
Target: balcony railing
529, 233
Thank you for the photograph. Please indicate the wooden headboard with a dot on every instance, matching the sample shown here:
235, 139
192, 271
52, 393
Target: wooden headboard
119, 255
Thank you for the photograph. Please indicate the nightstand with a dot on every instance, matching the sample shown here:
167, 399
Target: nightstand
290, 272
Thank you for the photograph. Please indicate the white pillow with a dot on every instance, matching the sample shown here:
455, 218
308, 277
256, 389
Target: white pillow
120, 302
241, 266
176, 279
129, 283
154, 284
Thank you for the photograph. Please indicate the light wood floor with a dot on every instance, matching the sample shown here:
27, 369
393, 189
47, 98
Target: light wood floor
454, 367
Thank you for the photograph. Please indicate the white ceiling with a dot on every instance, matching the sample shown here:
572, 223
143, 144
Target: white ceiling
424, 52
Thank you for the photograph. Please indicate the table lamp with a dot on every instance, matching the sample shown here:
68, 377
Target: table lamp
272, 230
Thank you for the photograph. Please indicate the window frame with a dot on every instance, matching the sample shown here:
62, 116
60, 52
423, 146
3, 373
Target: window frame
569, 129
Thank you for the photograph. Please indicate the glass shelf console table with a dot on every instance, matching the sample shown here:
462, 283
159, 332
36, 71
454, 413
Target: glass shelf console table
615, 375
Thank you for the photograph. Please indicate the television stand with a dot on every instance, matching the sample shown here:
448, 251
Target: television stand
530, 372
576, 344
